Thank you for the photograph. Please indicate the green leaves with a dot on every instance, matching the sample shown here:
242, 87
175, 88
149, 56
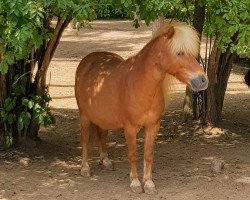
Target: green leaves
25, 24
224, 18
21, 20
8, 141
41, 114
26, 32
227, 18
19, 109
7, 113
108, 9
4, 67
9, 104
18, 87
23, 120
29, 104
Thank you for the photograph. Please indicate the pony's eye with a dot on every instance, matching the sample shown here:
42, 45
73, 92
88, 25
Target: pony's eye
180, 53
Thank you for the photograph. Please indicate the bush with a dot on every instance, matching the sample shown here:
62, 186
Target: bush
107, 10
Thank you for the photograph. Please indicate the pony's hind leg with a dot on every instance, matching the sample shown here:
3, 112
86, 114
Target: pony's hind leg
85, 123
102, 140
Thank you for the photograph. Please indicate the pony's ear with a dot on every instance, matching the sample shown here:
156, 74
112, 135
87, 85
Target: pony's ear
170, 32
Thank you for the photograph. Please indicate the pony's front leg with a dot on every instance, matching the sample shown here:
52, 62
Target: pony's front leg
150, 134
130, 135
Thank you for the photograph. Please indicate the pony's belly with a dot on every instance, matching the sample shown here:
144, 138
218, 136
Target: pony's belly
107, 125
104, 120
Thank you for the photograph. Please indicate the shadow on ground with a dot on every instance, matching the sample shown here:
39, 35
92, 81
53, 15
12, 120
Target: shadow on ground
184, 153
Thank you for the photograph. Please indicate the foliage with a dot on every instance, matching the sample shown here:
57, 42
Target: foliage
18, 101
228, 18
107, 10
25, 24
18, 108
29, 34
224, 17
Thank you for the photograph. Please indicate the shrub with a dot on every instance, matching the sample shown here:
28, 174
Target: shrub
107, 10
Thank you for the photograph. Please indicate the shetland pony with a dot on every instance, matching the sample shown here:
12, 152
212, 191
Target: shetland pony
113, 93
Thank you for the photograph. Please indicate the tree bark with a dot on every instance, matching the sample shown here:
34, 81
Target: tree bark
218, 75
3, 91
2, 97
190, 100
199, 17
219, 68
40, 80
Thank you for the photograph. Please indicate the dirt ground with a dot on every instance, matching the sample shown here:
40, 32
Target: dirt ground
186, 154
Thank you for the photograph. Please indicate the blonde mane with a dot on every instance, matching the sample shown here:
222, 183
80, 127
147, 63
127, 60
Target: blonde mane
185, 38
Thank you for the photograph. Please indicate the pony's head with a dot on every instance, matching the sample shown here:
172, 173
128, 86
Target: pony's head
179, 49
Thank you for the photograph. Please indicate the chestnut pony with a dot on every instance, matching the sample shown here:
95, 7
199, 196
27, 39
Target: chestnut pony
113, 93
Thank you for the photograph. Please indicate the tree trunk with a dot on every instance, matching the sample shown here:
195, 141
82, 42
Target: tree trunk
3, 127
40, 80
190, 100
220, 65
219, 68
199, 17
2, 87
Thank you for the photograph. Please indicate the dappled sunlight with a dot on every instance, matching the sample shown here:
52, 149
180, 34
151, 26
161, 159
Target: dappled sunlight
213, 132
64, 164
187, 154
173, 128
101, 39
118, 37
243, 179
24, 161
2, 197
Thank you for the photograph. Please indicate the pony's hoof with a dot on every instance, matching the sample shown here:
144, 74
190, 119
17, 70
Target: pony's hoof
136, 186
149, 187
85, 172
107, 165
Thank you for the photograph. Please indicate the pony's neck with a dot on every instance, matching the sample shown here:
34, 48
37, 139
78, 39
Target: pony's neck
148, 61
148, 72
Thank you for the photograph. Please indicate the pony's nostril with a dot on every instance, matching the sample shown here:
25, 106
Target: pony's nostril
203, 79
199, 82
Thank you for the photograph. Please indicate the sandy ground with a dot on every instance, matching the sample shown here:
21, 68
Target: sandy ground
185, 154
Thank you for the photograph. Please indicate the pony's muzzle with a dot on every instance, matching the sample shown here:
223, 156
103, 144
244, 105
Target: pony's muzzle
199, 82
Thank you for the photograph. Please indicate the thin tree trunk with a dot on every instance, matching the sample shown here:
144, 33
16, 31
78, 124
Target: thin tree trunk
3, 92
47, 58
40, 80
190, 100
199, 17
